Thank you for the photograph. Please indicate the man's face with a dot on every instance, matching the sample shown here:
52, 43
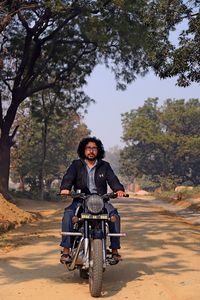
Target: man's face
91, 151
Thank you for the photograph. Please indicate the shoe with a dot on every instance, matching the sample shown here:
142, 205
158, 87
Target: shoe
117, 257
108, 252
65, 258
114, 259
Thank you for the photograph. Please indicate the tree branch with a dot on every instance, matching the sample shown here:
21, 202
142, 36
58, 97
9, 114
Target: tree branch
10, 115
52, 104
23, 21
16, 7
32, 76
24, 60
50, 36
39, 88
72, 65
67, 70
42, 23
14, 132
1, 113
7, 84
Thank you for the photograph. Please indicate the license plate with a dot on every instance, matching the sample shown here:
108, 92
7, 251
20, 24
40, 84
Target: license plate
94, 217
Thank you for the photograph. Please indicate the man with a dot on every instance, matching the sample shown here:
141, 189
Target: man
90, 174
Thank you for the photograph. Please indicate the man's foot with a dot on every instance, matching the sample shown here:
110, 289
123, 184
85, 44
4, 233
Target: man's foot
108, 252
117, 257
65, 258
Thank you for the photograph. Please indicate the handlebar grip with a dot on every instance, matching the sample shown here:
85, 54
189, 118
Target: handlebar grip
114, 195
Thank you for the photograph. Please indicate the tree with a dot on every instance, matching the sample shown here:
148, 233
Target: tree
56, 44
9, 8
112, 156
46, 142
47, 108
163, 142
182, 60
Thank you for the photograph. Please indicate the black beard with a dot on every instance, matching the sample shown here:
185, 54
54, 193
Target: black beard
91, 158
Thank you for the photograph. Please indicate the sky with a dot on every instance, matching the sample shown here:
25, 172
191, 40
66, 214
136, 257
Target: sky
104, 117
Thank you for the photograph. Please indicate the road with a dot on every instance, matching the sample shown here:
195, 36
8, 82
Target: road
161, 258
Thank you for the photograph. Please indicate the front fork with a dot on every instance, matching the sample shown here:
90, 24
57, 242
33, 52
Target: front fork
103, 228
87, 241
86, 245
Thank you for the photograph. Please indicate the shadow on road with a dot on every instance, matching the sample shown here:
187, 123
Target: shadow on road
156, 243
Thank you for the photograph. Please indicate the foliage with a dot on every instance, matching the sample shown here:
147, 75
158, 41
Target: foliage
145, 183
179, 196
163, 142
56, 42
9, 8
56, 45
63, 132
179, 57
113, 156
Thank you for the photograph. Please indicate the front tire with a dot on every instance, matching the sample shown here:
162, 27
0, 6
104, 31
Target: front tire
96, 268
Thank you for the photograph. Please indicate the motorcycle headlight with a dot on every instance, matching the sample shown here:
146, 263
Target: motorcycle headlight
95, 204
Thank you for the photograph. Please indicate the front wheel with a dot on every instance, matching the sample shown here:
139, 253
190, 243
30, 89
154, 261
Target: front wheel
96, 267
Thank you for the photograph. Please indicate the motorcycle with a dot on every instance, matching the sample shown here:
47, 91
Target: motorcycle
89, 252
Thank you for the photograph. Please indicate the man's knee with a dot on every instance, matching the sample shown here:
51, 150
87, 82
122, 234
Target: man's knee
68, 214
115, 213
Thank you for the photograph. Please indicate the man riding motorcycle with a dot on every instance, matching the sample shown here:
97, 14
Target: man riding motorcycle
90, 174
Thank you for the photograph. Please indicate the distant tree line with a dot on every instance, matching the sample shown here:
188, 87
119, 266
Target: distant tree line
162, 142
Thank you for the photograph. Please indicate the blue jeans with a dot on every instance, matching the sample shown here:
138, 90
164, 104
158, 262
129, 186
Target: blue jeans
67, 225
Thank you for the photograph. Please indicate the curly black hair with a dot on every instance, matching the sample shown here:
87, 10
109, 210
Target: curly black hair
85, 141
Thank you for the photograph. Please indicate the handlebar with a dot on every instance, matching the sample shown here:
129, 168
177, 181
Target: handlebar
73, 195
111, 195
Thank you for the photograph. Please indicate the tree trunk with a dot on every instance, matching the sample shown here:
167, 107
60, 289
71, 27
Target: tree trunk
4, 166
44, 151
41, 184
21, 184
6, 142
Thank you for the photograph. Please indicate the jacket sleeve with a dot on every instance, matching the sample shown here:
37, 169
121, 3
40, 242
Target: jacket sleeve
69, 177
113, 180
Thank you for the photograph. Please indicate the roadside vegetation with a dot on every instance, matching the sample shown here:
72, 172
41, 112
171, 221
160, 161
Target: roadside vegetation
47, 51
182, 195
162, 144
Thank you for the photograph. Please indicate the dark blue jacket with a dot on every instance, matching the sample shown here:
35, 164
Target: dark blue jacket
76, 176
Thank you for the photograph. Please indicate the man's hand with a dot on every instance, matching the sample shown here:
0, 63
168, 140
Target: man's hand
65, 192
120, 193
